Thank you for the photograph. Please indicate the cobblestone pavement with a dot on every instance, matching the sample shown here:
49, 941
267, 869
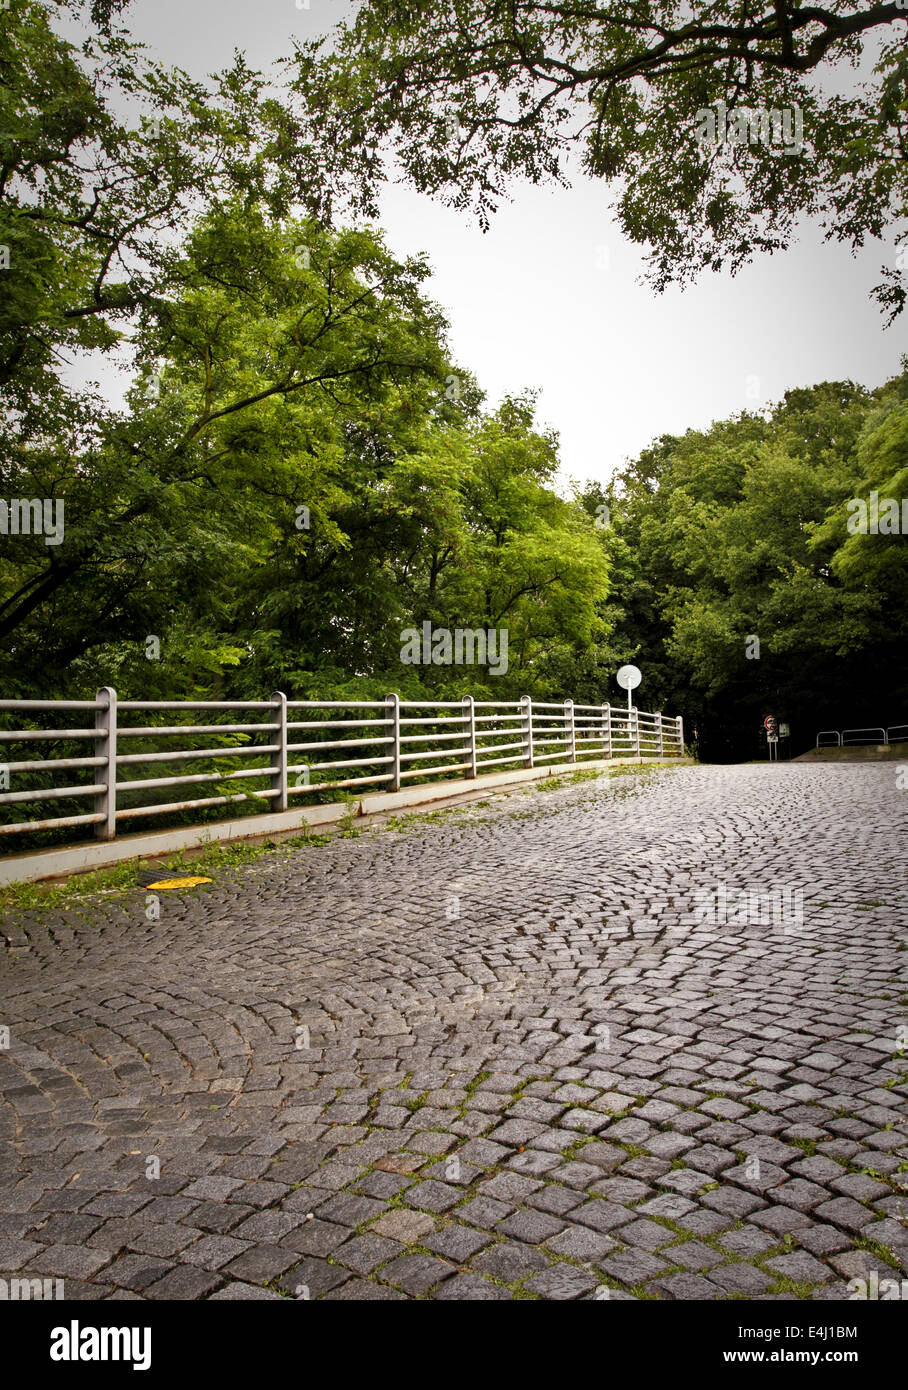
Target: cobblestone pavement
504, 1053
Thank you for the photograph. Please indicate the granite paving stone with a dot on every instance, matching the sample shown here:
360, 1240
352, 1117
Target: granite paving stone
510, 1262
572, 1072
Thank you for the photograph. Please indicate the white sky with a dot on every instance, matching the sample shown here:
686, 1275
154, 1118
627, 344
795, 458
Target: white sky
531, 304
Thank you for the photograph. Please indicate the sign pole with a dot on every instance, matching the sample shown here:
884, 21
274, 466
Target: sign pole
629, 677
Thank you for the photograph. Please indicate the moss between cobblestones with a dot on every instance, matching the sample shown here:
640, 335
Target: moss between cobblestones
127, 877
874, 1247
778, 1284
130, 875
680, 1236
551, 784
577, 1145
783, 1285
809, 1146
416, 818
632, 1150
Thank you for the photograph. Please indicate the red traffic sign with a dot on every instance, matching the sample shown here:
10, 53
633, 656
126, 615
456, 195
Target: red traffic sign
769, 721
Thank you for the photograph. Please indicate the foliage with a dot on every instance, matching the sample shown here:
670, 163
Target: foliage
471, 95
741, 532
299, 472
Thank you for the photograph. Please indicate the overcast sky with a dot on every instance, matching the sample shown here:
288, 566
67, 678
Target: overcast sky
550, 297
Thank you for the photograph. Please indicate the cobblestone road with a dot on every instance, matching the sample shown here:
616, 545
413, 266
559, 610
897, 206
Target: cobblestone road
501, 1054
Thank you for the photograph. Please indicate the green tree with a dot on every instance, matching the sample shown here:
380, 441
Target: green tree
872, 564
750, 596
301, 473
248, 384
105, 158
530, 562
470, 94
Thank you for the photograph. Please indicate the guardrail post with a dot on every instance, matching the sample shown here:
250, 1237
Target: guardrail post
571, 730
527, 703
278, 779
104, 710
106, 747
469, 715
392, 704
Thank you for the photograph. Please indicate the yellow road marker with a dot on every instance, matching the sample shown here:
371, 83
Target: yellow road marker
178, 882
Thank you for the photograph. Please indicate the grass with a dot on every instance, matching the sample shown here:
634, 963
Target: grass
639, 769
677, 1235
417, 818
552, 784
873, 1247
213, 858
29, 896
348, 827
784, 1285
134, 873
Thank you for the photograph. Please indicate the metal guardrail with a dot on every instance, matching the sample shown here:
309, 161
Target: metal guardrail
390, 741
896, 733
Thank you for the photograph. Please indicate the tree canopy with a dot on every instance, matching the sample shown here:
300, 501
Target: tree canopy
740, 532
466, 96
299, 471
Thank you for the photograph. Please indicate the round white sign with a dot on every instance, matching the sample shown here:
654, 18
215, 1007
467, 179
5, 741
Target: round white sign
629, 677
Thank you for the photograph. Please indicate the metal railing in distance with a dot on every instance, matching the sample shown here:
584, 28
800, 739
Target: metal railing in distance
277, 749
896, 733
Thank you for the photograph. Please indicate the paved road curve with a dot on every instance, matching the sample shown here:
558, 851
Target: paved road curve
513, 1052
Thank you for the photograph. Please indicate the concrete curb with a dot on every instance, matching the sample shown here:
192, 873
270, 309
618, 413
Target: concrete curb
99, 854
